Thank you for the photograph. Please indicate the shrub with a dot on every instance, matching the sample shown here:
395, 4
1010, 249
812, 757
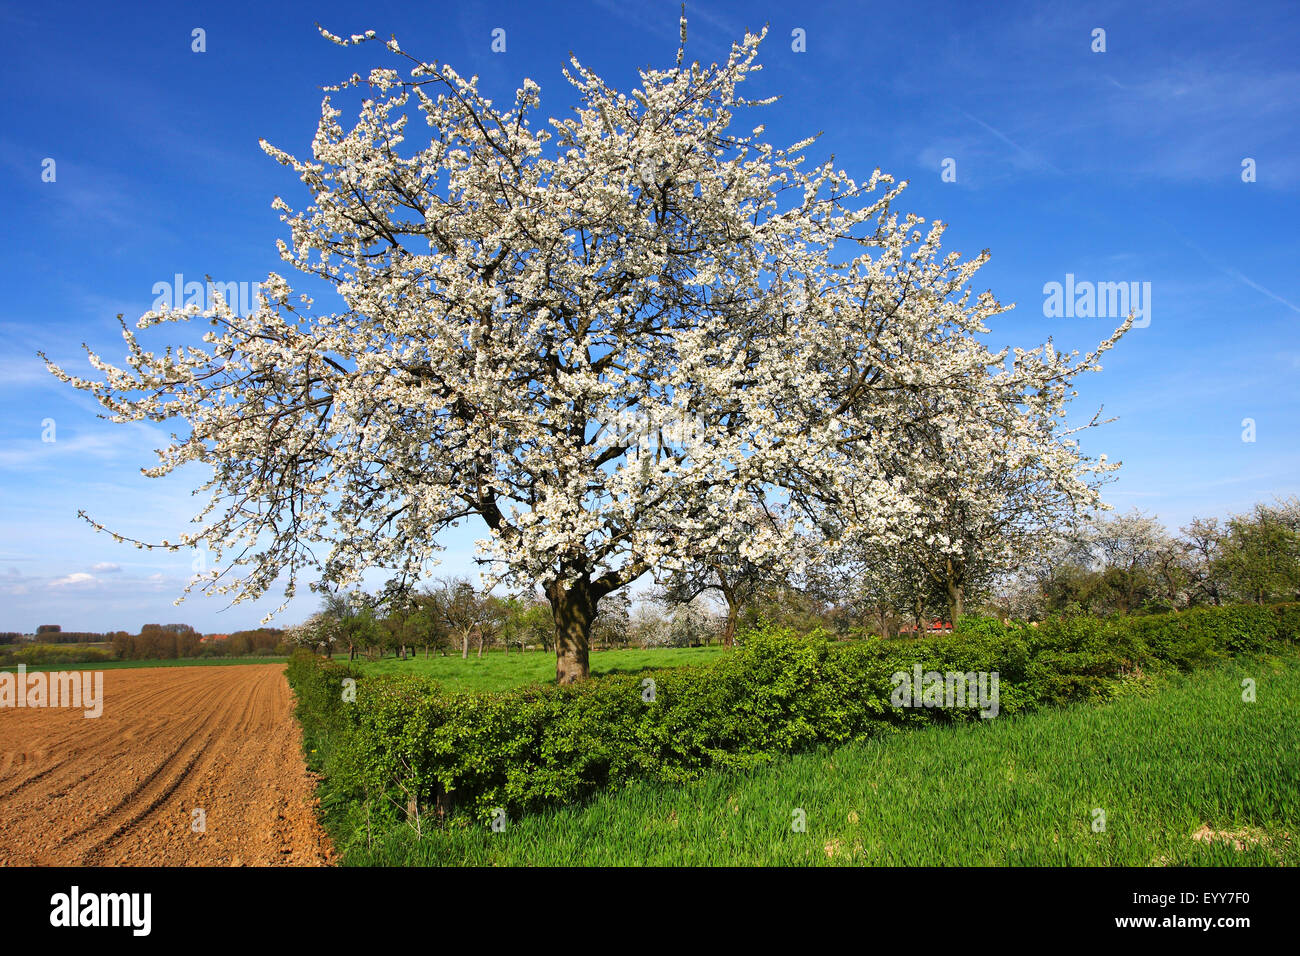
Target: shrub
1288, 621
53, 656
318, 688
407, 741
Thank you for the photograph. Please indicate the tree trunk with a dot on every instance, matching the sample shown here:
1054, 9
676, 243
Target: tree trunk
883, 621
352, 653
956, 602
464, 645
729, 630
574, 610
956, 597
733, 612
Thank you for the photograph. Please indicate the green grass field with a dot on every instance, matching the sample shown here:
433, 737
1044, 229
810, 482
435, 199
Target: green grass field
496, 671
1185, 771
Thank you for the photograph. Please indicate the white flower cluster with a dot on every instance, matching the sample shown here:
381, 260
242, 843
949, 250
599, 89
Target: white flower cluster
509, 287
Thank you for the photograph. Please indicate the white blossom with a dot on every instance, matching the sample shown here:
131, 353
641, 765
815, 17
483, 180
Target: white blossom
508, 287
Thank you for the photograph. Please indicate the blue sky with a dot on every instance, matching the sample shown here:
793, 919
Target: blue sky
1123, 165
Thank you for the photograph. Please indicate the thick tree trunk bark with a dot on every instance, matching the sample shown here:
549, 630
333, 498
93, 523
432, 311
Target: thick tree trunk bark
574, 610
956, 603
955, 596
733, 612
729, 631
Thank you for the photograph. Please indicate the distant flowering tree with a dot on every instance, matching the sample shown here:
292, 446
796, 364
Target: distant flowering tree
319, 633
648, 626
512, 291
872, 583
1131, 551
691, 624
747, 562
1003, 481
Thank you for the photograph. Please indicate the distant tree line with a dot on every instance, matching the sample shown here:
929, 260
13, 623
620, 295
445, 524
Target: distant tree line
174, 641
74, 637
453, 616
1132, 564
1125, 564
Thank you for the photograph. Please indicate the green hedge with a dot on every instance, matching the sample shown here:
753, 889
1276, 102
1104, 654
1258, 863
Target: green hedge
407, 740
318, 690
53, 655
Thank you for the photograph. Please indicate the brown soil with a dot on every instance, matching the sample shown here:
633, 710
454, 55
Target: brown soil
120, 789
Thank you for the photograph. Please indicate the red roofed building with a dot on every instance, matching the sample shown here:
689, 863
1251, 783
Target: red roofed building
934, 627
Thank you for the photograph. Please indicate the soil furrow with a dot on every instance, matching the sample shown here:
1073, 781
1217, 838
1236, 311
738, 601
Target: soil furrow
122, 789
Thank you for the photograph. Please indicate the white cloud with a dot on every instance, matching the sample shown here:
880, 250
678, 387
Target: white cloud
76, 579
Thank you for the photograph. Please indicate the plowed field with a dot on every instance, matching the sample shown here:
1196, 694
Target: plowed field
121, 789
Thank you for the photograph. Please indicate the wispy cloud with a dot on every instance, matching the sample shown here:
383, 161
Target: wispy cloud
1026, 157
1236, 274
34, 453
1231, 270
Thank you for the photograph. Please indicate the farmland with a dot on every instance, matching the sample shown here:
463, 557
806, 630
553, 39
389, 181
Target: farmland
131, 665
123, 789
1185, 772
1177, 769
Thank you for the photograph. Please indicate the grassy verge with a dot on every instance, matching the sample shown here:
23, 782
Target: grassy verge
496, 671
1184, 770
